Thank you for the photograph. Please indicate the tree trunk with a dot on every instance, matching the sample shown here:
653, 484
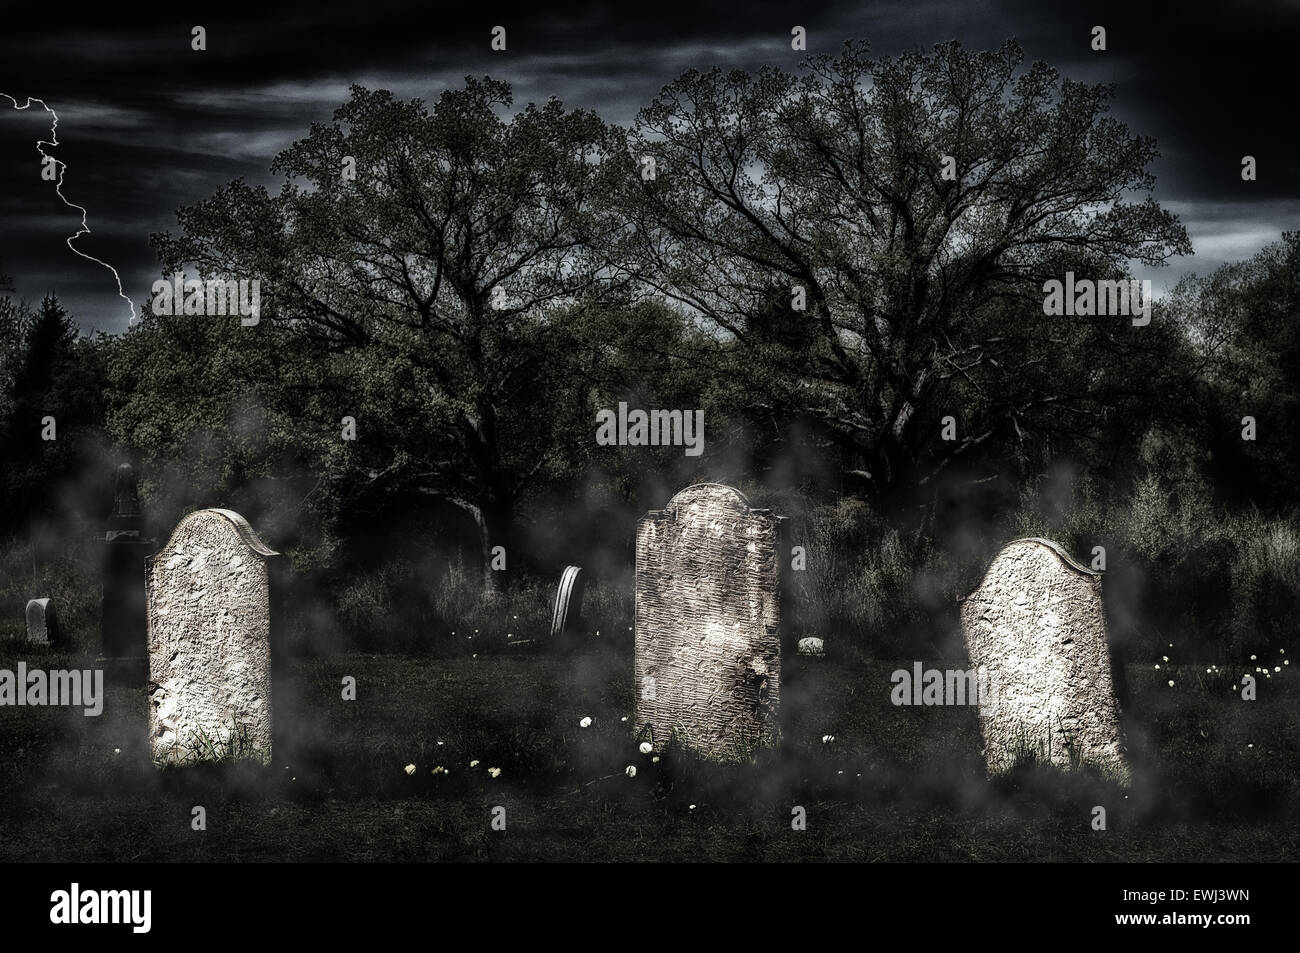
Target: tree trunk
494, 519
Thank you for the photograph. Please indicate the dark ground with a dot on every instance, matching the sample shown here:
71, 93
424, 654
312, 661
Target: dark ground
1216, 778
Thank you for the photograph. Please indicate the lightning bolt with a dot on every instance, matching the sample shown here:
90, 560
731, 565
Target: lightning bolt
58, 188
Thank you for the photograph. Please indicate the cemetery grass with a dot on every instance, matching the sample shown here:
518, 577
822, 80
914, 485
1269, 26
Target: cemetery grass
1216, 778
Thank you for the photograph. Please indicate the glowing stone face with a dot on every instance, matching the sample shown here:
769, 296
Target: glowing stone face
1037, 623
208, 594
708, 618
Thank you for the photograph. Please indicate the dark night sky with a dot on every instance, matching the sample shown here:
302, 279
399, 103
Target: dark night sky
147, 125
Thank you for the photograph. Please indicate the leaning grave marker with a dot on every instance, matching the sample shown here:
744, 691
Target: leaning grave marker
1037, 623
567, 609
209, 622
708, 622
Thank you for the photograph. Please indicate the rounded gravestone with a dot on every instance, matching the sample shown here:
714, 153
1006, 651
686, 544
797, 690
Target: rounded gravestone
208, 594
812, 646
708, 620
568, 601
42, 623
1037, 624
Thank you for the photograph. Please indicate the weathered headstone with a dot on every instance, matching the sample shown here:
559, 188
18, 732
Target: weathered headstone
708, 622
42, 622
812, 646
210, 641
1038, 625
568, 600
122, 616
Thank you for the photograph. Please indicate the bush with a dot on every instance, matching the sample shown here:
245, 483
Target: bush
1265, 578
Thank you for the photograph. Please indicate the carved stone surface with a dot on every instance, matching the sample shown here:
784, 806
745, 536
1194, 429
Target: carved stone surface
568, 600
42, 623
1038, 624
708, 619
209, 615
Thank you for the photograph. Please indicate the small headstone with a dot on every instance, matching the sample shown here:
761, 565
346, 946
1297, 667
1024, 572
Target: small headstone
209, 641
708, 621
1038, 625
568, 601
812, 646
42, 623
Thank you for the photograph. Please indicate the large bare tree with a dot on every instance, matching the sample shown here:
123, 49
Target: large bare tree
921, 290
